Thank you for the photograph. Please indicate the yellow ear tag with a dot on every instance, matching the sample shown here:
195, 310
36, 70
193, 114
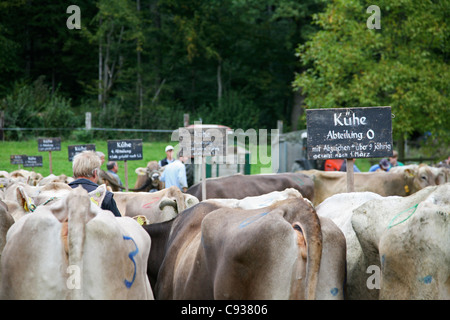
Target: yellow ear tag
93, 201
30, 208
140, 221
406, 188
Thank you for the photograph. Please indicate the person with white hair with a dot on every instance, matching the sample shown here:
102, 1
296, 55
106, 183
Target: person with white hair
86, 168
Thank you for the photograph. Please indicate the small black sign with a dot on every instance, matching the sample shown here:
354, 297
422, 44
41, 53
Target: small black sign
119, 150
16, 159
349, 133
32, 161
49, 144
75, 149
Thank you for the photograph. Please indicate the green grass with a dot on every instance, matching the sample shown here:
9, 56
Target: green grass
61, 164
60, 161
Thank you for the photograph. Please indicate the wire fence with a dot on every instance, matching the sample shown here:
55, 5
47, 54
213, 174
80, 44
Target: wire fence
94, 129
83, 134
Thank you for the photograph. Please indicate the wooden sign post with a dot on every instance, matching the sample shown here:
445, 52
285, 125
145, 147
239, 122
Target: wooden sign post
349, 133
202, 141
124, 150
49, 144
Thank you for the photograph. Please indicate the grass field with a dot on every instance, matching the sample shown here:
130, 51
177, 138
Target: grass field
60, 161
61, 164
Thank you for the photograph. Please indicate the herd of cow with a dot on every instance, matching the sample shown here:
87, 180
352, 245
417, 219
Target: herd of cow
273, 236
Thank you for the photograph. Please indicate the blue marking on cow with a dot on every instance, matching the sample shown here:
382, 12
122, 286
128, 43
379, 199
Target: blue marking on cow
427, 279
131, 255
334, 292
299, 181
266, 203
250, 220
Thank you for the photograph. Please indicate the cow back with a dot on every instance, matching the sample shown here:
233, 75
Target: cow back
240, 186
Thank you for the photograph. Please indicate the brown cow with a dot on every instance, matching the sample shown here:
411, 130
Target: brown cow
328, 183
239, 186
156, 206
215, 252
424, 175
148, 177
72, 249
30, 177
22, 198
6, 221
332, 266
407, 240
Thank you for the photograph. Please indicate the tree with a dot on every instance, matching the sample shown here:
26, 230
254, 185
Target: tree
404, 64
143, 63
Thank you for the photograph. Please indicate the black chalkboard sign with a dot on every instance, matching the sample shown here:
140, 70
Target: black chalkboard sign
16, 159
32, 161
349, 133
119, 150
49, 144
75, 149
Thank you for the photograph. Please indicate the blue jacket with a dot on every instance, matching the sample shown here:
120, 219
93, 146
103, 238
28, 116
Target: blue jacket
108, 202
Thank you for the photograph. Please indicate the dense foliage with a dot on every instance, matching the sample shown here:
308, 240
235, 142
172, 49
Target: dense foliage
405, 64
144, 63
241, 63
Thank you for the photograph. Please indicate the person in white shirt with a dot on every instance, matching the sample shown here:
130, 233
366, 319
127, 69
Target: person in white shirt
169, 157
174, 173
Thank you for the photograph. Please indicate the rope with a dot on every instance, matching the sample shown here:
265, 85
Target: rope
390, 225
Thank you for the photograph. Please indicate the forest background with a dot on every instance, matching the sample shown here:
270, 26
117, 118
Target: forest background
242, 63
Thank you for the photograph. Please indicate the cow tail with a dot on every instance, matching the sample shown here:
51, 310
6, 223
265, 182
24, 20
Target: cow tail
310, 225
78, 205
314, 242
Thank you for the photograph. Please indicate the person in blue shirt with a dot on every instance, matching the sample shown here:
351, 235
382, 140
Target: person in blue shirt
384, 165
112, 170
174, 173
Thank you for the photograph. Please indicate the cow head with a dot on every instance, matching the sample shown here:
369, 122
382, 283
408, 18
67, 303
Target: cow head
152, 173
424, 176
172, 203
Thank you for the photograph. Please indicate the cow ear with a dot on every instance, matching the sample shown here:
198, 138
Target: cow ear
301, 240
24, 200
141, 171
440, 178
409, 173
98, 195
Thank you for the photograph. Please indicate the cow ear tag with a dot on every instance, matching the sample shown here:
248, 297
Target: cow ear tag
93, 201
406, 189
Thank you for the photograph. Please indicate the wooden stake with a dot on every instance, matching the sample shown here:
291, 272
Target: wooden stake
203, 178
350, 175
125, 165
50, 161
